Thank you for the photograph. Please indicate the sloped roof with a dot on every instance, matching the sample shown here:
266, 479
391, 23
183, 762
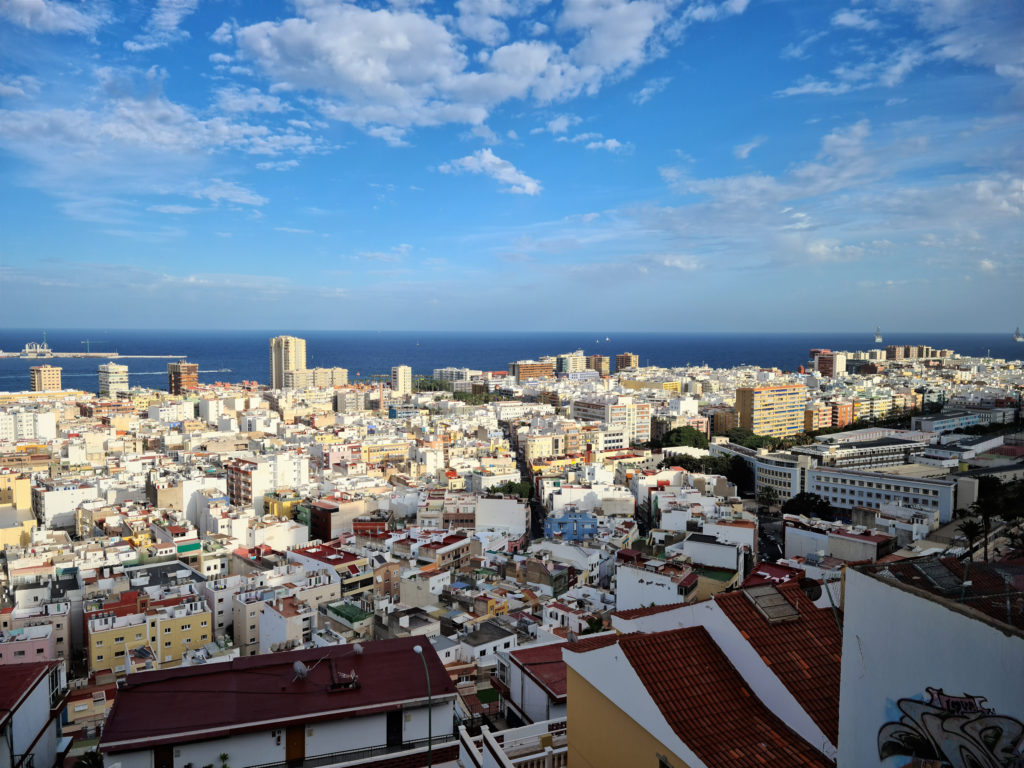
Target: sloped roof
709, 705
188, 704
804, 654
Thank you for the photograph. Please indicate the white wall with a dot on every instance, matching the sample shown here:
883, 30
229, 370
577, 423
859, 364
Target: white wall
938, 648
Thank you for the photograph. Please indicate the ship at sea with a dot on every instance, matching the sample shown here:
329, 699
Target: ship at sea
878, 334
1017, 335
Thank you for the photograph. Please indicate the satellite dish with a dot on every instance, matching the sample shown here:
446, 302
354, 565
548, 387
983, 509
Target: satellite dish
358, 648
811, 588
301, 670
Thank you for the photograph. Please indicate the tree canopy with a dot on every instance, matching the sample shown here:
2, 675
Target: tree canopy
808, 505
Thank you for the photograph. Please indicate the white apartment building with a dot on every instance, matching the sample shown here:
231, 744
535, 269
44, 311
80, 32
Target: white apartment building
287, 353
617, 411
113, 380
401, 380
27, 425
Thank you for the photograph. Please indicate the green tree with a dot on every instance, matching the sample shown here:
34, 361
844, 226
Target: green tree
971, 529
808, 505
984, 513
90, 759
512, 488
685, 436
767, 497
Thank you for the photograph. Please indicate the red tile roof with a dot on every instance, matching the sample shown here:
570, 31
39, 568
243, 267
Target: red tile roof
258, 693
709, 706
639, 613
804, 654
545, 665
19, 680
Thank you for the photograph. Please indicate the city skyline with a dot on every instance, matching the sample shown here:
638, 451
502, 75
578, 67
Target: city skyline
513, 165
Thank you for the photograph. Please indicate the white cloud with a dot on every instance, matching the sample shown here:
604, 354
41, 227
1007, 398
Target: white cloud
224, 34
610, 145
234, 99
55, 17
854, 18
651, 89
390, 69
394, 255
987, 265
23, 85
277, 165
486, 162
230, 192
799, 50
177, 210
164, 25
742, 151
559, 124
295, 230
221, 58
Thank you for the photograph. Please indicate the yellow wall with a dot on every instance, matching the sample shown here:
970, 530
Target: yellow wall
667, 386
15, 491
602, 736
17, 535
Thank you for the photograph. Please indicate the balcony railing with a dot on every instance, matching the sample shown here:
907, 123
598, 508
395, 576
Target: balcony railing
353, 755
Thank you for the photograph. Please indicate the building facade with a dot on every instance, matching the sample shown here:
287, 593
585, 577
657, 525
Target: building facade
44, 378
772, 411
113, 380
287, 353
182, 377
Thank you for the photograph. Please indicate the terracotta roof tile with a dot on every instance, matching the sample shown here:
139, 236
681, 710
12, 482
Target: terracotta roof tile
709, 705
639, 613
804, 654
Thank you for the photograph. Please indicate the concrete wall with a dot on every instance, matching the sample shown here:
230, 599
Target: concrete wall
897, 647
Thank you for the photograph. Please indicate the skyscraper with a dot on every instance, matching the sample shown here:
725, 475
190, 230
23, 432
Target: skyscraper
401, 380
287, 353
113, 379
44, 378
182, 377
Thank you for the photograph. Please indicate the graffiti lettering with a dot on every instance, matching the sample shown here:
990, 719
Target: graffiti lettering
953, 732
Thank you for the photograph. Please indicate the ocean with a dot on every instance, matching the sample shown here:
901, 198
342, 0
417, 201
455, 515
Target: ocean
244, 355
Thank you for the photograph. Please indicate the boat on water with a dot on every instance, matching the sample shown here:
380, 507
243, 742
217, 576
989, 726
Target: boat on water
878, 334
1017, 335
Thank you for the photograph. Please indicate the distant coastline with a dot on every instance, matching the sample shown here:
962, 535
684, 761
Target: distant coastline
245, 353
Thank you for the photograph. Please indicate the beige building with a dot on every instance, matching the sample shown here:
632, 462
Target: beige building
44, 378
626, 360
113, 380
401, 380
775, 411
287, 353
316, 377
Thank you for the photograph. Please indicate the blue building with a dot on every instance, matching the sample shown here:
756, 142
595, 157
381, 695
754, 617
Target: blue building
572, 525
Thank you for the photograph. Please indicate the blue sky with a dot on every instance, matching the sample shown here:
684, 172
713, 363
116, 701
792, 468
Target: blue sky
502, 164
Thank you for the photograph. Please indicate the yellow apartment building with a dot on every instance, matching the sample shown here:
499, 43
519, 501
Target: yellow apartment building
773, 411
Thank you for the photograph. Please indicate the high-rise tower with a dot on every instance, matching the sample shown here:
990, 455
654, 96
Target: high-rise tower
287, 353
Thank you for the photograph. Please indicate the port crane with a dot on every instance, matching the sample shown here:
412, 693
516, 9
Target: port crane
87, 342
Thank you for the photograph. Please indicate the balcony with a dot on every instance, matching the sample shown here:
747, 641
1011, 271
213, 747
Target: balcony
539, 745
500, 686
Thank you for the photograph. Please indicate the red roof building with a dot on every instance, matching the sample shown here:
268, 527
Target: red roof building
32, 697
337, 703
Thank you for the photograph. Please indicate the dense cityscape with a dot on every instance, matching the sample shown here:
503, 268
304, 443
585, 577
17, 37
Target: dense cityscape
511, 384
441, 567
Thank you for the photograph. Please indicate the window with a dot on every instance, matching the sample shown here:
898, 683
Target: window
252, 627
138, 635
482, 653
81, 707
167, 644
100, 657
99, 643
19, 653
167, 630
118, 654
118, 639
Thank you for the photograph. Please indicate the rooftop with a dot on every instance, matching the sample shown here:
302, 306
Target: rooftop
804, 653
258, 693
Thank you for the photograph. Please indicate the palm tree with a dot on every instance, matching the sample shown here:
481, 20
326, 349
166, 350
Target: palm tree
767, 497
971, 529
91, 759
983, 511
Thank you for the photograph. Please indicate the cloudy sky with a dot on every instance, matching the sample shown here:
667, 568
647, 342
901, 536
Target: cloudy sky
513, 164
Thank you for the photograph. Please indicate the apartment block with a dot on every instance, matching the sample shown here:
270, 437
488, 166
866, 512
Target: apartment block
773, 411
524, 370
848, 488
401, 380
599, 363
44, 378
617, 411
113, 380
182, 377
287, 353
308, 378
626, 360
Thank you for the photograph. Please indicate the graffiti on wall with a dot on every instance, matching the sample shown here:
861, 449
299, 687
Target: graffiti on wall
952, 732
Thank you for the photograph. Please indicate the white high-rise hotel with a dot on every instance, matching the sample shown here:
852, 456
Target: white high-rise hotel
287, 353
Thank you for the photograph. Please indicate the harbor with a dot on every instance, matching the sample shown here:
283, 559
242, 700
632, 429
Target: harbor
35, 350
